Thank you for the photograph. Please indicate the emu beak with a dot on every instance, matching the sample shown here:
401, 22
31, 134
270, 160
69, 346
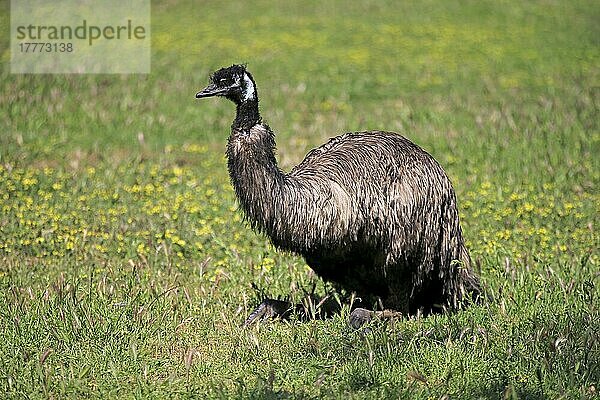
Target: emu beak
210, 90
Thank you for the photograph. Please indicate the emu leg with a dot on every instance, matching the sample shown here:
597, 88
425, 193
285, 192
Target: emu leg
270, 309
308, 309
361, 316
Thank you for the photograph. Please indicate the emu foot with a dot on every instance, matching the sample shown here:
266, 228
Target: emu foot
361, 316
270, 309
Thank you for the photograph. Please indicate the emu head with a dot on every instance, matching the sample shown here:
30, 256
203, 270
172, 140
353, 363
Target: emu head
234, 83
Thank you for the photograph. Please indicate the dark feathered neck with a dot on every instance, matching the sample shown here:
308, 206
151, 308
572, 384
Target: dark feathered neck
247, 106
247, 115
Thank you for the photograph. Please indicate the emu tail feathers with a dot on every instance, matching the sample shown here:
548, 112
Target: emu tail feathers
468, 285
462, 285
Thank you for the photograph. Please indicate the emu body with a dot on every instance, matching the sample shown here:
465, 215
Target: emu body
369, 211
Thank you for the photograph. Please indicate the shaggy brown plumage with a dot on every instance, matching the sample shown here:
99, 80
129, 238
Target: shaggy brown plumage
369, 211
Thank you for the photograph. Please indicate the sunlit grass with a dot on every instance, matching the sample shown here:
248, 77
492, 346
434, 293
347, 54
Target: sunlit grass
126, 269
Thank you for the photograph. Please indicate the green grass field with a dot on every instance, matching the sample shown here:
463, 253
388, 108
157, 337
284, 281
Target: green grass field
126, 268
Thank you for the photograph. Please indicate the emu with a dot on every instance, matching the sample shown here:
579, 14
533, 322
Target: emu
371, 212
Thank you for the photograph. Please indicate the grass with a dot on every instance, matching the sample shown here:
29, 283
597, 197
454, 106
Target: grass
126, 269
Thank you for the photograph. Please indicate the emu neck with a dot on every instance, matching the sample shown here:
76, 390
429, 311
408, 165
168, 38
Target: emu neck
247, 115
252, 166
256, 178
